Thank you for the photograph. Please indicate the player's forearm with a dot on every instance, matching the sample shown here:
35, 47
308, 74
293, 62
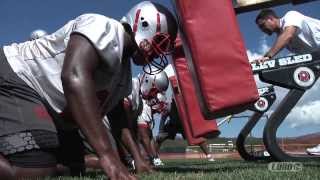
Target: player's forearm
84, 109
162, 121
282, 40
130, 144
278, 46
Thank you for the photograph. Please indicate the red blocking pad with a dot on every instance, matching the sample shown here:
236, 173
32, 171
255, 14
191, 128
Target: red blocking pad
199, 126
183, 115
216, 57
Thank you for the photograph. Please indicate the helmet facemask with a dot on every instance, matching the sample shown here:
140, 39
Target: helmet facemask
162, 46
155, 30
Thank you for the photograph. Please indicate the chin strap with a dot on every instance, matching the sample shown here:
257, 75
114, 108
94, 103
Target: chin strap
161, 47
155, 66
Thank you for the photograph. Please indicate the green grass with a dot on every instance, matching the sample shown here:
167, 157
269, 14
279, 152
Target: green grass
220, 169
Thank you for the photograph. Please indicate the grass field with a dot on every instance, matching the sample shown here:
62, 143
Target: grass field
220, 169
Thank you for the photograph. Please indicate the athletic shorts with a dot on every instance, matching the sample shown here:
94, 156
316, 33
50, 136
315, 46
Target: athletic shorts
70, 152
145, 118
25, 123
172, 130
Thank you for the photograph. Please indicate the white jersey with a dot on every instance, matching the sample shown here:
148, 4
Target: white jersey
160, 105
143, 109
307, 37
146, 116
134, 97
39, 62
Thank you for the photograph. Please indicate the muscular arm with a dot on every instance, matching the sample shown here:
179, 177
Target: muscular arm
282, 40
80, 62
163, 119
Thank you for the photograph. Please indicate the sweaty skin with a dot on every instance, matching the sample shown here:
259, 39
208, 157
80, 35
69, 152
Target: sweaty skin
81, 61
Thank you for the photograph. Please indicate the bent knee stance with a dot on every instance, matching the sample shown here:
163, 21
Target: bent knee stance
29, 153
33, 163
6, 171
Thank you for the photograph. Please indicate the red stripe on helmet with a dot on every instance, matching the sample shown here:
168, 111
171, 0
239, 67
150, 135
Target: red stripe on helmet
135, 25
158, 23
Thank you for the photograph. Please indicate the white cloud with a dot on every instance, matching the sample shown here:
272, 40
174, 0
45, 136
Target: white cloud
307, 114
262, 49
253, 55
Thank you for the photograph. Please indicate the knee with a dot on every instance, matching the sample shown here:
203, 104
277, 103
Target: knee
7, 175
144, 135
6, 171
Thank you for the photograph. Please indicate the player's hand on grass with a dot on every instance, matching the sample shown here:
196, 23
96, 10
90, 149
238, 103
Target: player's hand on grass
143, 167
114, 168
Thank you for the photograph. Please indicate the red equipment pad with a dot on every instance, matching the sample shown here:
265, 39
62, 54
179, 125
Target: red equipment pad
199, 126
183, 115
216, 57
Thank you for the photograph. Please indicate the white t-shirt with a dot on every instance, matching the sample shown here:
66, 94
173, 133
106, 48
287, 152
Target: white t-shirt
39, 62
307, 37
134, 97
146, 116
152, 106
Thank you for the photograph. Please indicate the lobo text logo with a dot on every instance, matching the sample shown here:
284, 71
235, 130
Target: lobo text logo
285, 166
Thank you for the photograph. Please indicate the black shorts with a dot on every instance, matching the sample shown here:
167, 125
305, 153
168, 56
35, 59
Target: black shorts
36, 158
70, 152
21, 107
25, 123
174, 125
173, 129
28, 133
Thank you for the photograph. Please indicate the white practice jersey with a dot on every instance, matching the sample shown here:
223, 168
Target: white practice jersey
39, 62
143, 109
145, 116
135, 98
307, 37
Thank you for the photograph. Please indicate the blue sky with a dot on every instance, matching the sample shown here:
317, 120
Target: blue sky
20, 17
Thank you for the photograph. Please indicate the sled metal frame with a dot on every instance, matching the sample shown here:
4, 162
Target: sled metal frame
273, 123
244, 133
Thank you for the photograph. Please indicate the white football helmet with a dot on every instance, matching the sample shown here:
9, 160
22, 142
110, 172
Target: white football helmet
152, 84
36, 34
153, 22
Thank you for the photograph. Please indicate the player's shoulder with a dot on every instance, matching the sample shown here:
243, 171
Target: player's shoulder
293, 14
95, 17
